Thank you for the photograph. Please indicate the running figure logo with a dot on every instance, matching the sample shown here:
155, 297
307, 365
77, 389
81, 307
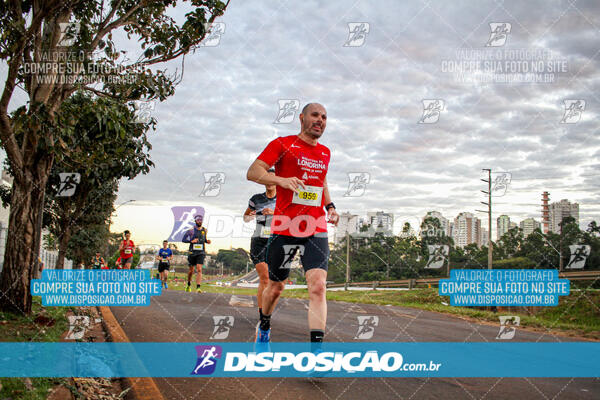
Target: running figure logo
183, 221
507, 327
438, 254
500, 183
68, 33
223, 325
366, 326
207, 359
287, 111
357, 183
143, 111
290, 251
357, 34
68, 183
573, 111
579, 253
499, 34
432, 108
78, 324
213, 31
212, 184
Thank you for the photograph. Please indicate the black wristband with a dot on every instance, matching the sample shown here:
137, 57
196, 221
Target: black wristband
330, 205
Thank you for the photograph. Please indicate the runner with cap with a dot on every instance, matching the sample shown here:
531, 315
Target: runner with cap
196, 237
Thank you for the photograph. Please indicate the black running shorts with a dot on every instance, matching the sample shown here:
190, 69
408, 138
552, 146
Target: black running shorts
195, 259
163, 266
313, 250
258, 249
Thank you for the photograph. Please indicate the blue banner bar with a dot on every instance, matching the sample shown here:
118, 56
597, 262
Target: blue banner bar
579, 359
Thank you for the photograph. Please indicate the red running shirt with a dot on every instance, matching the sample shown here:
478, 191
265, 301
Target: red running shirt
128, 249
303, 214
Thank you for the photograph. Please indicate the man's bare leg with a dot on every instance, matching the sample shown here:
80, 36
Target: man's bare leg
271, 295
263, 274
198, 276
317, 304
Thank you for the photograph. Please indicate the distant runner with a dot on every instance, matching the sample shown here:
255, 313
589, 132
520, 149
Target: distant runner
261, 206
299, 223
127, 249
165, 255
98, 261
196, 237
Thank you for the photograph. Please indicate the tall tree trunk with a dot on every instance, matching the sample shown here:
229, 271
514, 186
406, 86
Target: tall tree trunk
23, 241
62, 247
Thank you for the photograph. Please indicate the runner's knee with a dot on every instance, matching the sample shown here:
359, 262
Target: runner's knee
276, 287
317, 288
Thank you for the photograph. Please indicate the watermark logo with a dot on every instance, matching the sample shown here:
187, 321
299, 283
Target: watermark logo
438, 254
68, 183
432, 108
573, 111
143, 111
214, 31
430, 230
499, 34
207, 359
78, 324
183, 220
579, 253
500, 183
223, 325
357, 183
212, 184
68, 33
287, 110
357, 34
507, 326
289, 253
366, 326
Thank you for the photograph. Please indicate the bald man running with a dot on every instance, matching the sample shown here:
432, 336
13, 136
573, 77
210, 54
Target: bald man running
299, 224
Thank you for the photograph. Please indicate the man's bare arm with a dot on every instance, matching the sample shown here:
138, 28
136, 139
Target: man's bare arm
258, 172
326, 195
249, 214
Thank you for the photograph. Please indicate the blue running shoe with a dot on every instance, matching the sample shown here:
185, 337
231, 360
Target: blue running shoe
166, 286
262, 340
317, 374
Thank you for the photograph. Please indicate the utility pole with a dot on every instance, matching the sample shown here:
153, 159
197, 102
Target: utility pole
560, 246
347, 260
489, 212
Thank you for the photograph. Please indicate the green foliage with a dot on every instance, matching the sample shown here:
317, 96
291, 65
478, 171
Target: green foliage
233, 259
404, 257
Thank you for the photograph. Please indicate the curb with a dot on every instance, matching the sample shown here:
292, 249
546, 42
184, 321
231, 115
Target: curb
141, 388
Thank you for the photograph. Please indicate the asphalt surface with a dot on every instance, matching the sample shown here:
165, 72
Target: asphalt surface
178, 316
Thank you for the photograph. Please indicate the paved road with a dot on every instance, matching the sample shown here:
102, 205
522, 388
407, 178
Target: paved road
177, 316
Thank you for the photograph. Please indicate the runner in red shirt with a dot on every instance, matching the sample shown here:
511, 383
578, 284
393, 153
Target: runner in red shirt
299, 224
127, 249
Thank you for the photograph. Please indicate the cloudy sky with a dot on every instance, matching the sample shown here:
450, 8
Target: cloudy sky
373, 87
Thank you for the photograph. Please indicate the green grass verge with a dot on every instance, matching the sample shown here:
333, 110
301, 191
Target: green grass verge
45, 324
577, 314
